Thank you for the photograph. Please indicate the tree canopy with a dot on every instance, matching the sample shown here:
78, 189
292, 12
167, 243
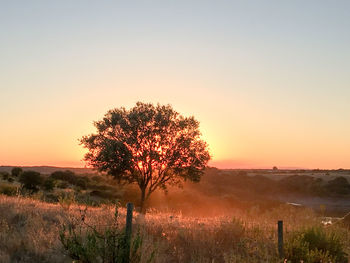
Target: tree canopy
31, 180
153, 146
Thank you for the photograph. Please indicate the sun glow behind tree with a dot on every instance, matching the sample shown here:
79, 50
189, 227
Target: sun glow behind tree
153, 146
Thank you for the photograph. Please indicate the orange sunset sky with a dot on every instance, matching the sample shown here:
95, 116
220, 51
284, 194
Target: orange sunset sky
268, 80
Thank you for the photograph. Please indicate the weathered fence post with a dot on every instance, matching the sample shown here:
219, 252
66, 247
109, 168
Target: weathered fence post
128, 231
280, 238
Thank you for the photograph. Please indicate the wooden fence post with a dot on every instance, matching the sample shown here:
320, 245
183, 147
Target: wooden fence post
128, 230
280, 238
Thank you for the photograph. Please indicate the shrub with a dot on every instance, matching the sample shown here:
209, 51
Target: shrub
49, 184
51, 198
97, 178
10, 180
105, 194
339, 186
67, 176
16, 171
63, 185
315, 244
5, 175
81, 183
31, 180
8, 190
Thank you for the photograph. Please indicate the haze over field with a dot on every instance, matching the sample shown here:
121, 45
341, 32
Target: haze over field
268, 80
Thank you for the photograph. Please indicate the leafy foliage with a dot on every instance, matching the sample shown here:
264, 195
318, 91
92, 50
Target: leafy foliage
5, 175
314, 245
339, 186
150, 145
49, 184
31, 180
16, 171
67, 175
8, 190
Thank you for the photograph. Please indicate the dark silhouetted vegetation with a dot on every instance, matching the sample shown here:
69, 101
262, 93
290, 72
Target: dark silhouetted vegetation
31, 180
67, 176
16, 171
339, 186
315, 244
152, 146
49, 184
5, 175
8, 190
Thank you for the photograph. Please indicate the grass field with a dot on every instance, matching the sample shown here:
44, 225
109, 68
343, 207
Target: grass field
29, 231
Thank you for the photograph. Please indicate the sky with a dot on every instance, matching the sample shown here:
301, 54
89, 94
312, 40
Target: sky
269, 81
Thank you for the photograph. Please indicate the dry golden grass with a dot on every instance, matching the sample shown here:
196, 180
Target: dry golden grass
29, 231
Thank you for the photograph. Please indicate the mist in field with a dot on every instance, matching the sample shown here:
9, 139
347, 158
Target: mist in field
229, 216
219, 192
222, 191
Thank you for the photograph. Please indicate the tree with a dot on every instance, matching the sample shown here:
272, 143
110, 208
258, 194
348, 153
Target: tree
153, 146
31, 180
16, 171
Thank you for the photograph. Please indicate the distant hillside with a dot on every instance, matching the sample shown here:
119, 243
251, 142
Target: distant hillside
48, 169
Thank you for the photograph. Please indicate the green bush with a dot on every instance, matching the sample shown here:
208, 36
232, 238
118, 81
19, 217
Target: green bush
5, 175
10, 180
49, 184
81, 183
8, 190
67, 176
314, 245
16, 171
31, 180
339, 186
63, 185
71, 178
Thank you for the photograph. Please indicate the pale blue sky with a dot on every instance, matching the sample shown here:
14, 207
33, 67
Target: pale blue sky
268, 80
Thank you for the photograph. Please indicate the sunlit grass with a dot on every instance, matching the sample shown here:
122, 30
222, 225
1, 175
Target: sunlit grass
29, 229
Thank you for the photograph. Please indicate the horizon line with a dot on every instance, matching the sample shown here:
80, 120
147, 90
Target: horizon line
237, 168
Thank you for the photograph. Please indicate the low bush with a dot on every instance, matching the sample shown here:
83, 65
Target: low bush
63, 185
67, 176
81, 183
31, 180
16, 171
105, 194
314, 245
8, 190
49, 184
10, 180
70, 177
4, 175
338, 186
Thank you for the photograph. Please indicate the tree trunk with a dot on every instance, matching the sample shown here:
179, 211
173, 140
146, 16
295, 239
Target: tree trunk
143, 199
